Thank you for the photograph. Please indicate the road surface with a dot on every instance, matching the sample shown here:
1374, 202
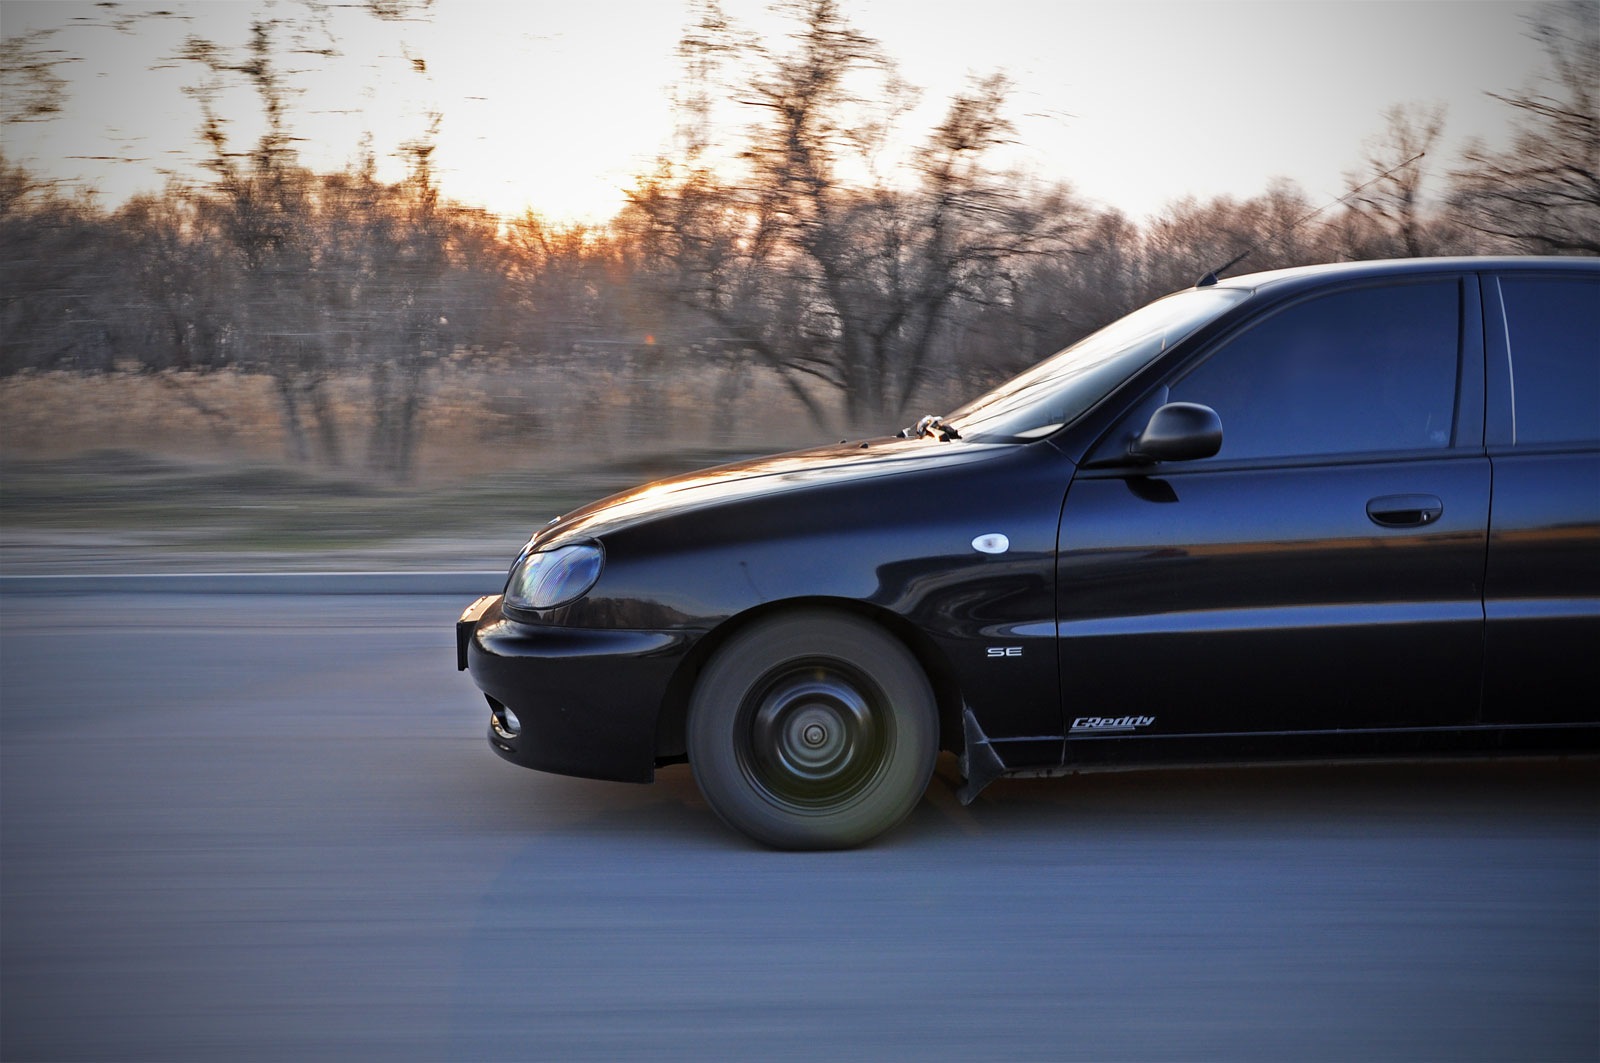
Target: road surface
269, 827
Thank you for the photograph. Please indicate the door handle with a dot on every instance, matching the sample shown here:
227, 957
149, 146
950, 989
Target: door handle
1405, 511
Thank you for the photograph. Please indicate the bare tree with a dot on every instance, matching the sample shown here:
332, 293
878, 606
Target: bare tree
60, 279
1388, 194
261, 200
1191, 238
1543, 193
410, 267
1043, 303
834, 275
336, 273
30, 88
184, 283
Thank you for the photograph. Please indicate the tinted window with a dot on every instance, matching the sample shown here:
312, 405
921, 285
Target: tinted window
1058, 390
1364, 370
1553, 333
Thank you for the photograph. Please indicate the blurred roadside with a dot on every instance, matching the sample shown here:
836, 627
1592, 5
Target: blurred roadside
136, 472
123, 512
130, 473
27, 554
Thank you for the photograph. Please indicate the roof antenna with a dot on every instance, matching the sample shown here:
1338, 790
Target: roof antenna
1211, 275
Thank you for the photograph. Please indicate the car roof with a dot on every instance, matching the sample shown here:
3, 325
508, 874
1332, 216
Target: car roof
1311, 276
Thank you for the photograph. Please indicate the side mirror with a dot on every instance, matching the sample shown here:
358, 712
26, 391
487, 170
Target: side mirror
1179, 431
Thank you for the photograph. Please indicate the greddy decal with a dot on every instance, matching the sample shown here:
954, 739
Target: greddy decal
1104, 724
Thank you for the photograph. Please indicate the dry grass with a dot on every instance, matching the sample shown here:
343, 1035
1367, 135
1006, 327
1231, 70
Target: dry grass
128, 466
480, 417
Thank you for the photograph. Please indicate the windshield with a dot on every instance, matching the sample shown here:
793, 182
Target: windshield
1061, 388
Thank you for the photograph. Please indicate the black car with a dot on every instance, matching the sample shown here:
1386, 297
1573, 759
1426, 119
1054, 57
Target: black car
1325, 512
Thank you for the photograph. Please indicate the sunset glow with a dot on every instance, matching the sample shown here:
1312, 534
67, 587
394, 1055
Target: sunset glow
556, 108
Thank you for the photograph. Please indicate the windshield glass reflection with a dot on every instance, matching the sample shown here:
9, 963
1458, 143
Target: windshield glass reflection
1061, 388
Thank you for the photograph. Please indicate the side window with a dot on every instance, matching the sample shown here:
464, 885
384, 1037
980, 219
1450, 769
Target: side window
1553, 334
1370, 369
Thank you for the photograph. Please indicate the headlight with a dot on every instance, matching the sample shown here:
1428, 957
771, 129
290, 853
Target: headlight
545, 579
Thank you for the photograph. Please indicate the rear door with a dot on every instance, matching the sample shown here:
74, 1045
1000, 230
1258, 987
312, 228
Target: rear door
1543, 581
1325, 570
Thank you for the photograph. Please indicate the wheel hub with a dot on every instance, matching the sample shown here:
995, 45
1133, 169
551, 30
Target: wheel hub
814, 738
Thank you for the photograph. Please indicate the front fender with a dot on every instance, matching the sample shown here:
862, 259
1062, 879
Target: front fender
901, 547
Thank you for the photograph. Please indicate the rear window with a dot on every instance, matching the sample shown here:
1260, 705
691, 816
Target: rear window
1553, 336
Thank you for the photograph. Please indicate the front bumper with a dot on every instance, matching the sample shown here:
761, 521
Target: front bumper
585, 700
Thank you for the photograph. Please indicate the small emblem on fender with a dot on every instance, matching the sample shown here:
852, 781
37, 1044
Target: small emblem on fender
992, 543
1004, 651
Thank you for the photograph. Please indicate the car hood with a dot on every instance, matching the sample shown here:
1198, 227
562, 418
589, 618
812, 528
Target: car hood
764, 477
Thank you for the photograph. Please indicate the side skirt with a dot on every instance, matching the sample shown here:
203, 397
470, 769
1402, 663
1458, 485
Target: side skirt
981, 765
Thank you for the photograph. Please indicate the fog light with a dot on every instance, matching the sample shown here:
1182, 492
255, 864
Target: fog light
504, 721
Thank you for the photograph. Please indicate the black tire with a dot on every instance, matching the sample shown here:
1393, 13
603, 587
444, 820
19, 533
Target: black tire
813, 730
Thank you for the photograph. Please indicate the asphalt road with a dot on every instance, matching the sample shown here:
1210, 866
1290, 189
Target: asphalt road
269, 827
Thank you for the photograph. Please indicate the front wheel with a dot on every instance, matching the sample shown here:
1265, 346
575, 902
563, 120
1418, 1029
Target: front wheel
813, 731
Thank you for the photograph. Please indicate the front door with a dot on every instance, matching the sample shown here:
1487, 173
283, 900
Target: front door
1324, 571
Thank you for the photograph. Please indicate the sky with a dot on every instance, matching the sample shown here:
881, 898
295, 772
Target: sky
555, 105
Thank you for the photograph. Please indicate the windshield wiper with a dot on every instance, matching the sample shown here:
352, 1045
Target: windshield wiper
930, 425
